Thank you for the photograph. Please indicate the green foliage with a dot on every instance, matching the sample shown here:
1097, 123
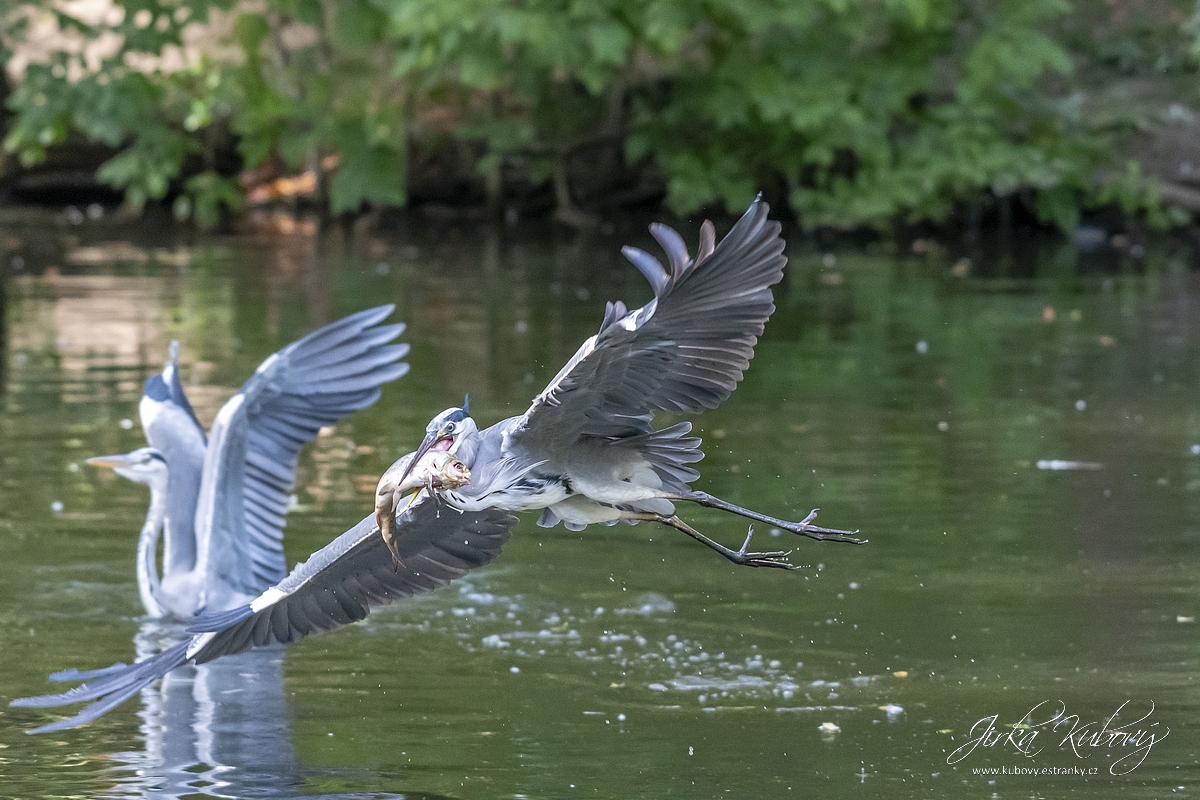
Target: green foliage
867, 112
123, 102
370, 171
205, 194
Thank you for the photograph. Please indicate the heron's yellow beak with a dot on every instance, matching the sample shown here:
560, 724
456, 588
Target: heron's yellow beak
426, 444
112, 462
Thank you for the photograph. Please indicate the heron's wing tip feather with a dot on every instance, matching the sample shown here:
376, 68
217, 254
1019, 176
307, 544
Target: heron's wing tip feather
685, 350
115, 686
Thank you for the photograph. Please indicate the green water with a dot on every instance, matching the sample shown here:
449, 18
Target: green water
905, 396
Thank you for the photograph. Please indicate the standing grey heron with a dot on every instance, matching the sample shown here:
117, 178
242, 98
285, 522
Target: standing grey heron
220, 502
587, 442
339, 584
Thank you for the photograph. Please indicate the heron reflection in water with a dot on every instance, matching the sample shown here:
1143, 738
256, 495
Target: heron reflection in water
584, 453
221, 729
220, 502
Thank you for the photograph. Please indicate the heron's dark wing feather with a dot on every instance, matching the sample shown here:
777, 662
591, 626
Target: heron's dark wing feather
341, 582
715, 309
685, 350
307, 385
118, 684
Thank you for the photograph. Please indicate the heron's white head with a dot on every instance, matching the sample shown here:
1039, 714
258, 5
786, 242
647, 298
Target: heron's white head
449, 429
453, 430
144, 465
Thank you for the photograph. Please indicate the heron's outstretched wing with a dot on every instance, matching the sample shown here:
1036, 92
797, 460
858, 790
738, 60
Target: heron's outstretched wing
342, 581
338, 585
685, 350
120, 683
256, 438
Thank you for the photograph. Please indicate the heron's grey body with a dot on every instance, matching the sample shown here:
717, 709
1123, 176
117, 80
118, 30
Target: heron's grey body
224, 505
339, 584
589, 432
171, 427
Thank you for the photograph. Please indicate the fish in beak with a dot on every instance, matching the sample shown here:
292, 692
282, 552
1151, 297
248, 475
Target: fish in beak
429, 471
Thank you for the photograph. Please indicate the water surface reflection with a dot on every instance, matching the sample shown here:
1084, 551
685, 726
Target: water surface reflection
219, 729
911, 396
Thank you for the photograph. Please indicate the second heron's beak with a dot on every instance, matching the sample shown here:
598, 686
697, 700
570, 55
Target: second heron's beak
112, 462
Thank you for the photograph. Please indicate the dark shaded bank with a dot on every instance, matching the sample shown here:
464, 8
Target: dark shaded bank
600, 189
4, 318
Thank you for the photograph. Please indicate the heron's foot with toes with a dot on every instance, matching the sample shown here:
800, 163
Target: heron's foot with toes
743, 556
804, 528
801, 528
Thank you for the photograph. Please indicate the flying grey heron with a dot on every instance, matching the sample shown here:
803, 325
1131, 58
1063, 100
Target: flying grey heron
339, 584
587, 442
220, 503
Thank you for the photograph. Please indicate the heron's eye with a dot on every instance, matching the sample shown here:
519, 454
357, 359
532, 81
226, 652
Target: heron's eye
451, 427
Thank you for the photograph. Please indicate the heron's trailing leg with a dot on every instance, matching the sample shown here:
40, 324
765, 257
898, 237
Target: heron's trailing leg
802, 528
775, 558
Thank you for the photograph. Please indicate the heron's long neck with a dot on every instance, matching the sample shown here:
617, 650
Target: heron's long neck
149, 586
466, 448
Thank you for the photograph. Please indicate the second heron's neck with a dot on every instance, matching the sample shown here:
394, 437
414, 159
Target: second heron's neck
149, 585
